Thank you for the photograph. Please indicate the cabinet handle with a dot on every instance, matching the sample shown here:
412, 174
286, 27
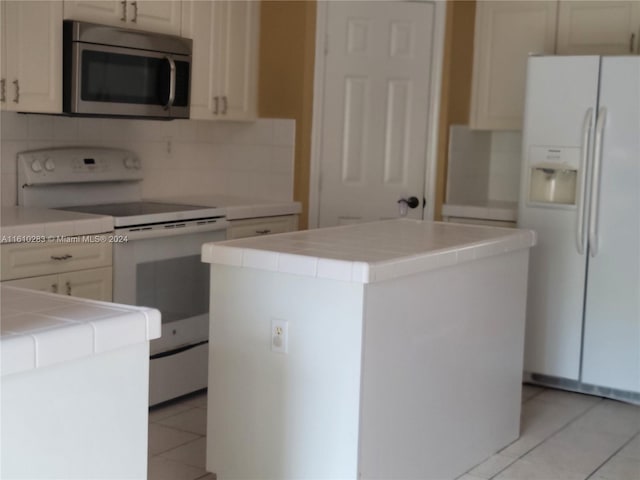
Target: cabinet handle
3, 90
54, 288
215, 105
263, 232
224, 105
123, 18
16, 99
632, 42
68, 285
66, 256
135, 12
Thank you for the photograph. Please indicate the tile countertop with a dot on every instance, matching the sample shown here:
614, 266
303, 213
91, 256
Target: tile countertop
369, 252
39, 329
238, 208
20, 222
487, 210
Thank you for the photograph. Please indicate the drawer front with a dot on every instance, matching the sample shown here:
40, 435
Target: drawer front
253, 227
21, 260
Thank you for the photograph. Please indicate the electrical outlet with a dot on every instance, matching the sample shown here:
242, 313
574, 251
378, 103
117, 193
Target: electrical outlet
279, 335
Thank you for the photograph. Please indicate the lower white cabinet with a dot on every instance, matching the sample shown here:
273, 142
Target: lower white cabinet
254, 227
80, 269
95, 284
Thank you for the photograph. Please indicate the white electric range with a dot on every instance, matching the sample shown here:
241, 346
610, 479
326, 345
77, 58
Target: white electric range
156, 250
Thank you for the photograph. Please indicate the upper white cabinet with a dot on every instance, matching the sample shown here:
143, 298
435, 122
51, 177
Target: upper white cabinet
162, 16
506, 33
225, 57
598, 27
31, 78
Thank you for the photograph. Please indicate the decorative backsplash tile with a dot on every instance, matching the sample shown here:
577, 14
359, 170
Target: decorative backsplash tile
180, 157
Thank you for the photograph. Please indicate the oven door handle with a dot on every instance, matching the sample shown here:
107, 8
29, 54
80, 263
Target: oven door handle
172, 82
138, 233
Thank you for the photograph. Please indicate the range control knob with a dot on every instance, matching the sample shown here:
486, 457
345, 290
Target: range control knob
136, 163
129, 162
36, 166
49, 165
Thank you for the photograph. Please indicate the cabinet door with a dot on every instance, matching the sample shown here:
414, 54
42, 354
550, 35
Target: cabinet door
94, 284
239, 23
506, 33
198, 23
598, 27
33, 34
107, 12
160, 16
46, 283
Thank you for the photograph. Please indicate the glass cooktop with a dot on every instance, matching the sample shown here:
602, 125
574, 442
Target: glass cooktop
128, 214
133, 209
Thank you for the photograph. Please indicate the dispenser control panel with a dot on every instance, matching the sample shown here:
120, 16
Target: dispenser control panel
553, 175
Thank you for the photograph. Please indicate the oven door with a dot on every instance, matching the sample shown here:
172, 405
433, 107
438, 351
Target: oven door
164, 270
108, 80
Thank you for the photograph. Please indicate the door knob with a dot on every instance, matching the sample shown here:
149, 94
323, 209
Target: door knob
411, 202
405, 203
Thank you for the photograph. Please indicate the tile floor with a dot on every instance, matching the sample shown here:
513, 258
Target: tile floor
564, 436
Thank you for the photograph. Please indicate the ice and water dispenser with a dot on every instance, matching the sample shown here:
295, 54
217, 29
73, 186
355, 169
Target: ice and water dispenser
553, 175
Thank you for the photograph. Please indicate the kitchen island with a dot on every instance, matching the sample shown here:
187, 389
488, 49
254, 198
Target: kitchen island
381, 350
74, 393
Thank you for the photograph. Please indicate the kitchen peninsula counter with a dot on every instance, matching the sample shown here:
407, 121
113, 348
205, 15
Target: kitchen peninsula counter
390, 349
74, 378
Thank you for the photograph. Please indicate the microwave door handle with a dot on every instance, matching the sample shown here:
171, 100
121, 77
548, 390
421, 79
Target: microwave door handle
172, 82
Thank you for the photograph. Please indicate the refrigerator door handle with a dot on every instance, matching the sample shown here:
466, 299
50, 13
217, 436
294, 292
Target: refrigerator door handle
586, 136
595, 183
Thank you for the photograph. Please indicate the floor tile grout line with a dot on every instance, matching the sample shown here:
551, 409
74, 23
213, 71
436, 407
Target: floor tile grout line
172, 415
200, 437
546, 438
542, 390
613, 455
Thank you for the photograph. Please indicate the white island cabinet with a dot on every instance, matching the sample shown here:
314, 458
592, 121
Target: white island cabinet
75, 387
380, 350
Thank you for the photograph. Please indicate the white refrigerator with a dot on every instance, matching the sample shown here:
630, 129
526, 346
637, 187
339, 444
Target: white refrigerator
580, 191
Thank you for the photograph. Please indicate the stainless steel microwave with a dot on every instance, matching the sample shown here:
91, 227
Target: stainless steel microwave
111, 71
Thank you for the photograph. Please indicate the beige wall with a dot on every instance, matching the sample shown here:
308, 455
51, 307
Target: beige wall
287, 57
456, 82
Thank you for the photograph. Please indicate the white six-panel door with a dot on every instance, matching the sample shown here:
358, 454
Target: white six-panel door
375, 107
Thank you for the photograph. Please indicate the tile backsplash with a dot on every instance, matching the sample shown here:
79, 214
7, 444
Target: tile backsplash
483, 165
179, 157
504, 165
468, 167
